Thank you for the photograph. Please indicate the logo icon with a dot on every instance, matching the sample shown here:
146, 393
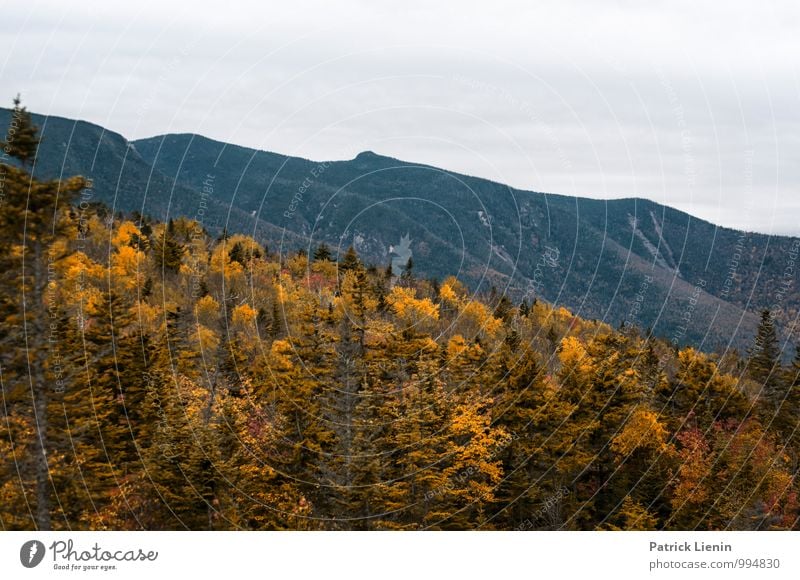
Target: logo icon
31, 553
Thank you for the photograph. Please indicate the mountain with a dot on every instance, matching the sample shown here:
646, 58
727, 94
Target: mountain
628, 260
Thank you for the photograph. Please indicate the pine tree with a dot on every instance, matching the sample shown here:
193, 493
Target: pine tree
346, 462
323, 253
22, 138
605, 391
180, 452
764, 362
95, 447
415, 442
236, 254
168, 250
251, 494
299, 373
699, 393
528, 409
786, 422
350, 262
33, 217
504, 309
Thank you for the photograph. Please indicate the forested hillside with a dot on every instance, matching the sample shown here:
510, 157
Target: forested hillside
629, 260
156, 376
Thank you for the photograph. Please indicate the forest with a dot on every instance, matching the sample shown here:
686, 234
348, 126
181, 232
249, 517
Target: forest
156, 377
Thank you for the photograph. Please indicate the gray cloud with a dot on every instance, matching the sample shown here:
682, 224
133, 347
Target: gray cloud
689, 105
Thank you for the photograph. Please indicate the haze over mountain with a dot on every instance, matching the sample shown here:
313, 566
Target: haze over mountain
630, 260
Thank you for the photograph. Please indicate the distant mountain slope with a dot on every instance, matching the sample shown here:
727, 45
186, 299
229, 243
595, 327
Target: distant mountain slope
707, 282
121, 178
623, 260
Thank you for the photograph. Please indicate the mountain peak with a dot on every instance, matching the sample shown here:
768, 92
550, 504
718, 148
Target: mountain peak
368, 156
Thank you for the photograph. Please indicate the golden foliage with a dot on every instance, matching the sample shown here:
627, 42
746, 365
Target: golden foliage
642, 431
243, 316
124, 234
207, 310
411, 311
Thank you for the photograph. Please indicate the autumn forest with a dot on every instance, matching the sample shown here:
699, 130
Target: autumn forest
155, 376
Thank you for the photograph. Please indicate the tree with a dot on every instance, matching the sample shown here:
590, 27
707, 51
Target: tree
91, 438
297, 377
22, 138
700, 392
34, 216
530, 412
764, 362
168, 250
792, 377
785, 422
350, 262
236, 254
632, 516
323, 253
599, 382
250, 493
732, 477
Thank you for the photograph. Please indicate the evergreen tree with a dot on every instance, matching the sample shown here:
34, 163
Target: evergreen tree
503, 309
22, 138
598, 381
532, 415
168, 250
93, 440
34, 217
350, 262
236, 254
323, 253
786, 422
764, 362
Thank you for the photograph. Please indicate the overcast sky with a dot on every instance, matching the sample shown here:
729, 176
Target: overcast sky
696, 105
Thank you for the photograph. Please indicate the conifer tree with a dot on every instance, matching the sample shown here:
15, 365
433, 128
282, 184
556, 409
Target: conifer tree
350, 262
786, 422
94, 444
236, 254
764, 362
322, 253
528, 409
33, 217
22, 139
299, 372
599, 381
416, 489
168, 250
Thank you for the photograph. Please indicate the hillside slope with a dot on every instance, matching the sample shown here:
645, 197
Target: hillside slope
630, 260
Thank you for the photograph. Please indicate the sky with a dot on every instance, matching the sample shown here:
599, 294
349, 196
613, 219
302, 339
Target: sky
695, 105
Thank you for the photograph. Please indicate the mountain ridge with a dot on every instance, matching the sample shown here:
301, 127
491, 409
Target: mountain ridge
613, 257
5, 112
